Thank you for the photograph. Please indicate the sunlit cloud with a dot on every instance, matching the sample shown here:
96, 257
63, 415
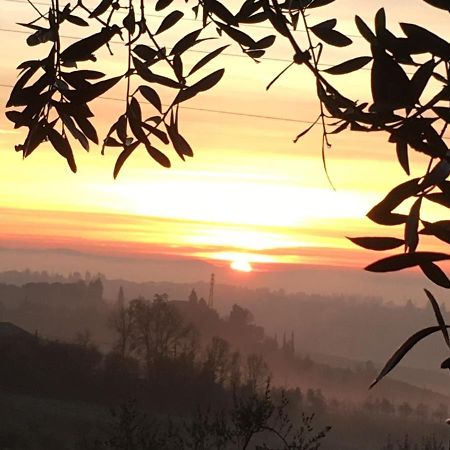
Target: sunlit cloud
249, 194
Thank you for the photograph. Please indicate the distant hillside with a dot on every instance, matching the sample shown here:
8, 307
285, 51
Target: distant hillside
436, 380
354, 330
363, 328
58, 310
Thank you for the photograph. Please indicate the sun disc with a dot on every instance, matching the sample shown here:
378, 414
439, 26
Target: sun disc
241, 265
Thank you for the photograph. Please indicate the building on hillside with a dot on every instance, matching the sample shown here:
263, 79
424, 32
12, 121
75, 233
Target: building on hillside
10, 331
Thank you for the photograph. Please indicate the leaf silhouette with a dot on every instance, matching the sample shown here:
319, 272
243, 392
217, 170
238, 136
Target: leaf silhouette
77, 20
180, 144
156, 132
203, 85
124, 155
319, 3
97, 89
424, 41
382, 212
441, 4
391, 88
438, 314
87, 74
248, 9
365, 31
349, 66
87, 128
62, 146
404, 261
169, 21
129, 22
445, 364
277, 20
326, 24
265, 42
255, 54
440, 229
185, 42
402, 155
135, 120
21, 95
146, 74
239, 36
206, 59
377, 243
122, 128
84, 48
111, 142
36, 135
380, 21
444, 187
435, 274
102, 7
151, 96
412, 225
158, 156
439, 173
74, 131
177, 65
403, 350
145, 52
162, 4
222, 12
331, 36
443, 112
420, 79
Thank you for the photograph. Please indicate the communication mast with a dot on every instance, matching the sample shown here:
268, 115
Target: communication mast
211, 292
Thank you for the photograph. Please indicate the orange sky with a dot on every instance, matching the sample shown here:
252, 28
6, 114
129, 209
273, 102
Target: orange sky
249, 193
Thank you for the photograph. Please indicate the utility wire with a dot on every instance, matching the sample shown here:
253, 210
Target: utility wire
232, 55
208, 110
265, 27
218, 111
215, 111
204, 52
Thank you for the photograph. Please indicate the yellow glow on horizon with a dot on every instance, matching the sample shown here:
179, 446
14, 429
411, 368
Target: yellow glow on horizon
248, 196
229, 257
232, 202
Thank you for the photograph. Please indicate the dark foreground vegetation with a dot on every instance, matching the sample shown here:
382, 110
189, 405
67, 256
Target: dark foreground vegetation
178, 376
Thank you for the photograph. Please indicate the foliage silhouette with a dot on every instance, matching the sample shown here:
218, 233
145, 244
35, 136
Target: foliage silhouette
77, 371
254, 420
53, 95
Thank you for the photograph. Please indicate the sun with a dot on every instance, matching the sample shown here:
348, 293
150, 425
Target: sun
241, 265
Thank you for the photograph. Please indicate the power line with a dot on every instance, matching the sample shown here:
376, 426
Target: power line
208, 110
218, 111
203, 52
265, 27
232, 55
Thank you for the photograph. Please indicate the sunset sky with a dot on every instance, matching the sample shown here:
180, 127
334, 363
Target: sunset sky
249, 195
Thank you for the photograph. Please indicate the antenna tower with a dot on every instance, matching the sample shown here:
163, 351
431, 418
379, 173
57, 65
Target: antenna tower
211, 292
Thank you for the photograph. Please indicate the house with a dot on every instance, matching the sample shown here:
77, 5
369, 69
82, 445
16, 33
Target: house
8, 330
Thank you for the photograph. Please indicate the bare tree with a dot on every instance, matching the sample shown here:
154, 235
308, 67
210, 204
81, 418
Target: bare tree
218, 359
157, 331
257, 372
121, 322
